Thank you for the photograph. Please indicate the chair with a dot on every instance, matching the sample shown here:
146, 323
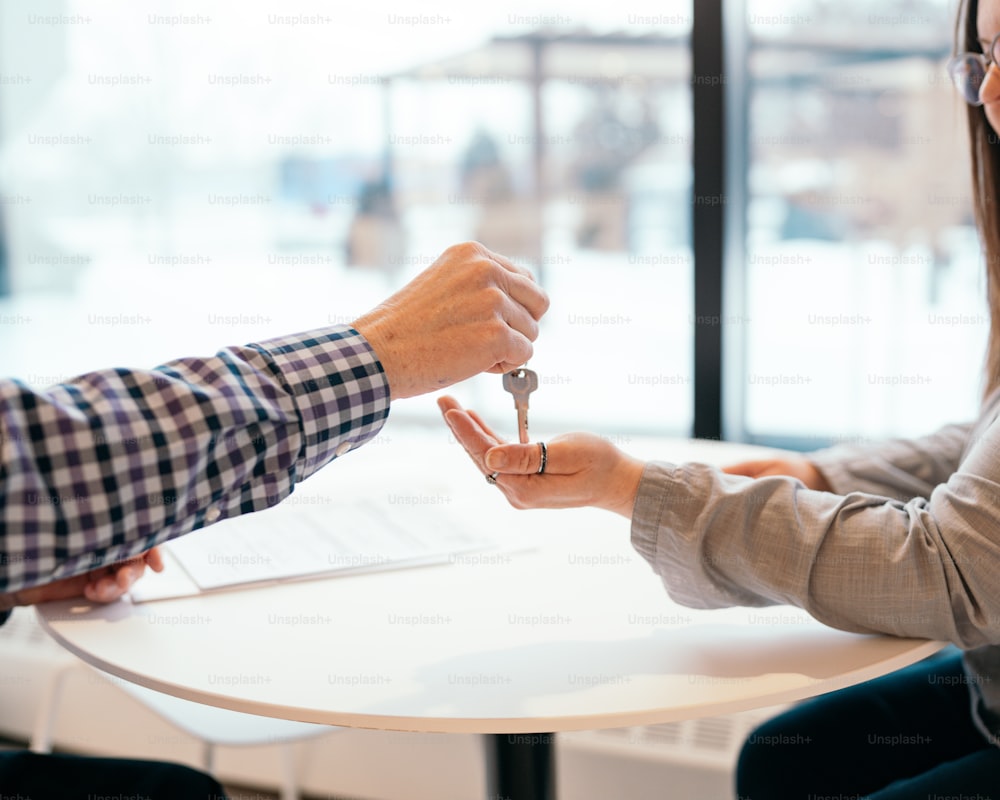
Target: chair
212, 726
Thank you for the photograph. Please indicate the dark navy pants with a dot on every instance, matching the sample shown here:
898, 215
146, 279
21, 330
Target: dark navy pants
62, 777
907, 735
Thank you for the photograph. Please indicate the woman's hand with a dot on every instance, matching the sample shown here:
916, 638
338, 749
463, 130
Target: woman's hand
581, 469
791, 466
101, 585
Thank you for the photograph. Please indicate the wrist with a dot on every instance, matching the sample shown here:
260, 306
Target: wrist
816, 479
622, 491
10, 600
379, 341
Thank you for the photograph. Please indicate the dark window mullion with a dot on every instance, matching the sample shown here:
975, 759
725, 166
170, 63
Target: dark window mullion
709, 212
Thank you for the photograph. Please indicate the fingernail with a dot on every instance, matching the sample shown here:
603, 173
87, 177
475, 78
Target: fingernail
496, 459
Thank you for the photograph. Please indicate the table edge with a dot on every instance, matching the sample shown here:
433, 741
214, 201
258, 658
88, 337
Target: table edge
921, 649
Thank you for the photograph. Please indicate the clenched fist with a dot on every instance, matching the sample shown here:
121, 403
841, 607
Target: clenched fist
471, 311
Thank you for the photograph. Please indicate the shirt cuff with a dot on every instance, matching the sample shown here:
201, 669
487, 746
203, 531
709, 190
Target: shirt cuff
339, 387
647, 512
669, 531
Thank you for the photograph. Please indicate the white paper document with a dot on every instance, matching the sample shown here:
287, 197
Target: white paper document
289, 543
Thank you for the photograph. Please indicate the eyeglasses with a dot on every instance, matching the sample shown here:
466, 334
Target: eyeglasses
968, 71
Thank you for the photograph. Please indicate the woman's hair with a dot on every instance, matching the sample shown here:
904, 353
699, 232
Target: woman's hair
985, 147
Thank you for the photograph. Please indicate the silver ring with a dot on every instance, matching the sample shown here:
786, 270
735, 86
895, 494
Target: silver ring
492, 479
545, 458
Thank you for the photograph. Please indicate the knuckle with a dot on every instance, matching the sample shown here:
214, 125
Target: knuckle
493, 329
470, 253
496, 296
480, 277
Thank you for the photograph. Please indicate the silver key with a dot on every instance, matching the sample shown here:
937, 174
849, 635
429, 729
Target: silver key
521, 383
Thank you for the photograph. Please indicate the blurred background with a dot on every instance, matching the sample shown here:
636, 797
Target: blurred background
178, 177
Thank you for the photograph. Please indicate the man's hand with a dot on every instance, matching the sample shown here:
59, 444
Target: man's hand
471, 311
102, 585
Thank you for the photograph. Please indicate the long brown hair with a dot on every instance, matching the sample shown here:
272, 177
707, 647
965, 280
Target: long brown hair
985, 151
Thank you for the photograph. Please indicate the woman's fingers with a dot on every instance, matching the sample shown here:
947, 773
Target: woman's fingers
486, 428
750, 469
515, 459
470, 435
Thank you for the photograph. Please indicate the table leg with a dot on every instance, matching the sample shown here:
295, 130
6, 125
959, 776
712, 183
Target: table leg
520, 766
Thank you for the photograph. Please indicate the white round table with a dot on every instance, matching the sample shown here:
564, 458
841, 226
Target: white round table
576, 633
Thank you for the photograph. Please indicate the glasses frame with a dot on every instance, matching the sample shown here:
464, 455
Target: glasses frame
986, 59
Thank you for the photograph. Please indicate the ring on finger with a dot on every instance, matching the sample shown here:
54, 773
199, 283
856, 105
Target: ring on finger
543, 457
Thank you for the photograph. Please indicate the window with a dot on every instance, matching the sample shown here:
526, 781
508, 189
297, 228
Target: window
175, 178
864, 310
180, 177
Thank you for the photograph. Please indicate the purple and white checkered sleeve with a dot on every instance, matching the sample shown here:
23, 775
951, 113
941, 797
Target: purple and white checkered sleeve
105, 466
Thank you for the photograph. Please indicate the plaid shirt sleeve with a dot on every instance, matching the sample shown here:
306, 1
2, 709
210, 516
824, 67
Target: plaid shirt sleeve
113, 462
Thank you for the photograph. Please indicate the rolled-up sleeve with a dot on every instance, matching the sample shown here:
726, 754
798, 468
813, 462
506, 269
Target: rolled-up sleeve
897, 468
113, 462
863, 562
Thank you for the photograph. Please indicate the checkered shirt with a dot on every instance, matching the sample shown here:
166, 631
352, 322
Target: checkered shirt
113, 462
